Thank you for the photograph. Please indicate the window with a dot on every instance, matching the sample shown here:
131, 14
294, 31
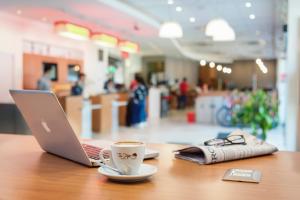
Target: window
53, 70
73, 72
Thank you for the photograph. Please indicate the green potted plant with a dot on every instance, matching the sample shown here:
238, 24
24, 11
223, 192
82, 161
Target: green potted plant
259, 111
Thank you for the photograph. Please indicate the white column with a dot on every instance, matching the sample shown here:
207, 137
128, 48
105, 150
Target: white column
154, 104
293, 70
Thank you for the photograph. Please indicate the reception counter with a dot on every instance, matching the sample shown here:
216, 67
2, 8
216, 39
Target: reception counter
72, 106
109, 111
207, 106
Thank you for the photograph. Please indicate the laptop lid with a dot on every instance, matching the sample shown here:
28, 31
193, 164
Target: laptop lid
49, 124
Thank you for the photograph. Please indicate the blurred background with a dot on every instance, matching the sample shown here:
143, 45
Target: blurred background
163, 71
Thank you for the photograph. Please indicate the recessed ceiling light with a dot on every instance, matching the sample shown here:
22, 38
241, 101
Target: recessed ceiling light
219, 67
192, 19
178, 8
19, 12
224, 69
252, 16
258, 61
248, 4
202, 63
212, 64
170, 2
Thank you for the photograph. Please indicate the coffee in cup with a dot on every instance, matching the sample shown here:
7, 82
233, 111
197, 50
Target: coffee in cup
126, 156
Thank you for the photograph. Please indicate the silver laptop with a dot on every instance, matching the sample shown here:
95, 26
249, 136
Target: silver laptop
51, 128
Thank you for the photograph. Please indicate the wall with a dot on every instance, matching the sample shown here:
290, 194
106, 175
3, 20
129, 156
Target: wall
292, 70
15, 30
152, 60
174, 68
206, 74
282, 89
32, 69
7, 78
242, 74
178, 68
132, 65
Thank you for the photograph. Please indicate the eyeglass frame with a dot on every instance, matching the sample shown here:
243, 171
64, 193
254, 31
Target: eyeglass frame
229, 142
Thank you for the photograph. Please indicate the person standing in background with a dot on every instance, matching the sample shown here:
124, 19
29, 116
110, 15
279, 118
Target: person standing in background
109, 86
78, 88
183, 87
175, 86
137, 106
133, 85
82, 80
44, 83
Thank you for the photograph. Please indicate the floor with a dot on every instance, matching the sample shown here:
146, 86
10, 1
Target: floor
173, 129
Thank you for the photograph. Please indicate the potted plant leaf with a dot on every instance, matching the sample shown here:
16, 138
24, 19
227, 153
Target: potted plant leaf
259, 111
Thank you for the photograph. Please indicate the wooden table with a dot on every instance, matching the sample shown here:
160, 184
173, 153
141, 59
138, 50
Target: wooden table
26, 172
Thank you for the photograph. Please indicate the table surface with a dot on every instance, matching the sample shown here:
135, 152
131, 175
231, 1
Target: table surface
26, 172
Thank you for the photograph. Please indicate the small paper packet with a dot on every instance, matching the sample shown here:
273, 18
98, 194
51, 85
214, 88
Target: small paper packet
242, 175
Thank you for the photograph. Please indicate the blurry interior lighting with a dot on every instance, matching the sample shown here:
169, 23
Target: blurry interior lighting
192, 19
129, 47
258, 61
19, 12
76, 68
229, 70
248, 4
178, 8
252, 16
219, 30
202, 63
212, 64
104, 40
170, 2
73, 31
170, 30
44, 19
261, 65
219, 67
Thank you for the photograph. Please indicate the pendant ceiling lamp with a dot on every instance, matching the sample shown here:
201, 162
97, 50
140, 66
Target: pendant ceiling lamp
219, 30
129, 47
170, 30
70, 30
104, 40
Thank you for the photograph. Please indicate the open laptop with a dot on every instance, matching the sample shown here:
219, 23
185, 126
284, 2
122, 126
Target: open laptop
51, 128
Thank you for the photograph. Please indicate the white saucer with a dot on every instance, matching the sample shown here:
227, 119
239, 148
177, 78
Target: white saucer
145, 172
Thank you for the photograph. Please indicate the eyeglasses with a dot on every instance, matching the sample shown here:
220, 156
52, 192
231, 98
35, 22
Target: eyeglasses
230, 140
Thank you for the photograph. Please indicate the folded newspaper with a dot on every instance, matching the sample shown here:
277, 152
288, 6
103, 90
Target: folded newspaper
213, 154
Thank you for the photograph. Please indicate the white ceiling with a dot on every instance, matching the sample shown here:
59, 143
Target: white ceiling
255, 38
138, 20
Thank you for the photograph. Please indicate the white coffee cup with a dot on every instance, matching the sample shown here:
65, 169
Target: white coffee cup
126, 156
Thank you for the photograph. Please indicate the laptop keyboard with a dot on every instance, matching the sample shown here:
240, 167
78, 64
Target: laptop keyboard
92, 151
